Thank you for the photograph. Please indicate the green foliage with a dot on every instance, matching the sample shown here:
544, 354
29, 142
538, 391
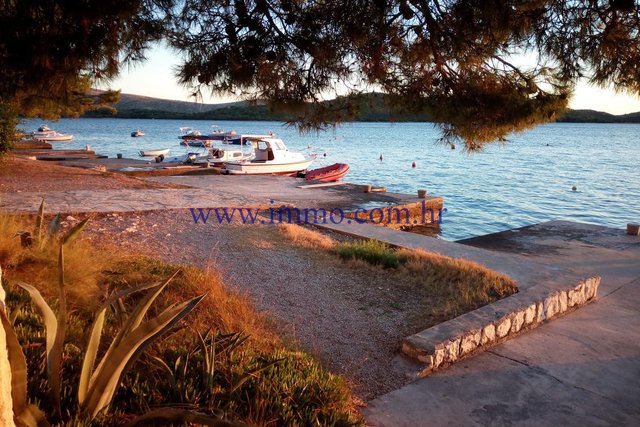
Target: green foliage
224, 374
8, 123
372, 251
456, 61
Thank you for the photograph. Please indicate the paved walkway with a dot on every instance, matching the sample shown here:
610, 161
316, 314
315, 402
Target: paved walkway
206, 192
582, 369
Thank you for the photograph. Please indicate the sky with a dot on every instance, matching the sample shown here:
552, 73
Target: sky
155, 77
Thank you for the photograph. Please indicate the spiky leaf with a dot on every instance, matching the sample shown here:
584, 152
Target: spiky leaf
18, 365
40, 220
54, 225
94, 339
48, 317
107, 378
74, 232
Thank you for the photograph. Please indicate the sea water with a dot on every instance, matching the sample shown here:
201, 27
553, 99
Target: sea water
528, 179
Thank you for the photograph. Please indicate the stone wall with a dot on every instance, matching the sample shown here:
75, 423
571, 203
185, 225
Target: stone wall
475, 331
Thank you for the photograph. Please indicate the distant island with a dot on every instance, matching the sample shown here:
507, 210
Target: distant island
372, 108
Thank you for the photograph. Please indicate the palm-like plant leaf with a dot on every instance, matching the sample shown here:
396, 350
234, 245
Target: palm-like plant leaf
18, 366
39, 221
48, 317
74, 231
107, 376
94, 339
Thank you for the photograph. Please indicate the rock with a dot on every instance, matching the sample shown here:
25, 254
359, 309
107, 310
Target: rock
470, 342
70, 219
451, 350
551, 305
563, 302
488, 334
503, 327
530, 314
517, 321
438, 357
539, 312
131, 229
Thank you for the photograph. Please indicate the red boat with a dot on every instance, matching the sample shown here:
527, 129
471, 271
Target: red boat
331, 173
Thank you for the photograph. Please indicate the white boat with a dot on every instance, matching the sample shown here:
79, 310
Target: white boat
188, 158
154, 153
137, 133
270, 156
217, 157
52, 136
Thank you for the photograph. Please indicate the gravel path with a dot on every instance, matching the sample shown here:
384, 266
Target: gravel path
353, 319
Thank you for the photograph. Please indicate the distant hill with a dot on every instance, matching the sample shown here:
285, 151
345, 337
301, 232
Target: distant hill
592, 116
371, 106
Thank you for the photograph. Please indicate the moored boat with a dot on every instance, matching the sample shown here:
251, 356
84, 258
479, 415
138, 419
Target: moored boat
219, 156
270, 156
330, 173
52, 136
194, 138
154, 153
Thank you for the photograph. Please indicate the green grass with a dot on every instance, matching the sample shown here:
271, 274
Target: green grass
372, 251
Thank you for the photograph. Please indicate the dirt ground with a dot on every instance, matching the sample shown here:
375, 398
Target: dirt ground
24, 175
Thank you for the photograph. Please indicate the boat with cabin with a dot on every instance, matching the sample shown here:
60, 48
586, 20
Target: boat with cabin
270, 156
44, 133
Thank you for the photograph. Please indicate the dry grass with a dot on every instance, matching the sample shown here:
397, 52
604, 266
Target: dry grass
222, 309
306, 237
90, 274
39, 266
452, 286
447, 287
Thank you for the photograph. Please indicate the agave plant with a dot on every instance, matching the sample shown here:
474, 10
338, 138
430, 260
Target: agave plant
96, 386
38, 235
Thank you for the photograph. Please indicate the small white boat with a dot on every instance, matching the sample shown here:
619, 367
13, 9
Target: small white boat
52, 136
188, 158
137, 133
270, 156
154, 153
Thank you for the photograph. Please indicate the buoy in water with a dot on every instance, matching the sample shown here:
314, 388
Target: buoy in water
381, 157
453, 146
574, 188
413, 165
325, 154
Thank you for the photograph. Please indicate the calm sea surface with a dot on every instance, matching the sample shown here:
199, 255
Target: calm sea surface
528, 180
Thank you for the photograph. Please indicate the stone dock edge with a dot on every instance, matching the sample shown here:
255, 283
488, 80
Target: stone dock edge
480, 329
